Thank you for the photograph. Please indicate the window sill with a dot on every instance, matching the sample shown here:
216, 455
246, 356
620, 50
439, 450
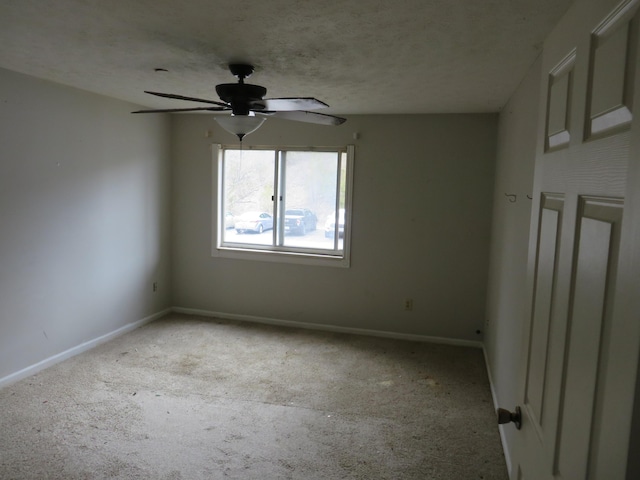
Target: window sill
281, 257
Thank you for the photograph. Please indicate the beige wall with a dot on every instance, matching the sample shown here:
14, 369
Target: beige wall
84, 223
421, 222
86, 208
506, 297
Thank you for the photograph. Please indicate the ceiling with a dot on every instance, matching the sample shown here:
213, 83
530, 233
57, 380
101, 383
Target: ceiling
360, 57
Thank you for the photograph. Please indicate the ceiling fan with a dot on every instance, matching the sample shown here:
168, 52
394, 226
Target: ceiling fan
249, 108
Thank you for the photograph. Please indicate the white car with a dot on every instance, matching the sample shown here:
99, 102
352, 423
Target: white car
330, 224
229, 220
254, 222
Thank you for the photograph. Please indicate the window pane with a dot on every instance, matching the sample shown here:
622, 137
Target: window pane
335, 226
310, 187
248, 188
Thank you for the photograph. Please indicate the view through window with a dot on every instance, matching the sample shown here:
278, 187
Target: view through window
284, 200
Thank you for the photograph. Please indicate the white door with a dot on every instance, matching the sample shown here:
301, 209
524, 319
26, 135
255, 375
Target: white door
580, 354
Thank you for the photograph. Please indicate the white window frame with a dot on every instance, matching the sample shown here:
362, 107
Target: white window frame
275, 252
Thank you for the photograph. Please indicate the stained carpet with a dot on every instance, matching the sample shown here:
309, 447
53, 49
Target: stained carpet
189, 397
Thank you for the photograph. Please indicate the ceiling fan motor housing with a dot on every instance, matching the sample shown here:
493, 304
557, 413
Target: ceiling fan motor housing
242, 97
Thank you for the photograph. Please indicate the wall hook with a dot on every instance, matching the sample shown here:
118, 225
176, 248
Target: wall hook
511, 196
530, 197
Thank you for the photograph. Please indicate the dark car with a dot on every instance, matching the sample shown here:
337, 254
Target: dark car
299, 221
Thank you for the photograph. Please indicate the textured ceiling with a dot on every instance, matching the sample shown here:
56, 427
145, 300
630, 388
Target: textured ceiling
359, 56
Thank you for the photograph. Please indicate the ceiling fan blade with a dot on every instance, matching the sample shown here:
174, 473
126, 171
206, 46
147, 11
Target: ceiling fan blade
169, 110
309, 117
291, 104
182, 97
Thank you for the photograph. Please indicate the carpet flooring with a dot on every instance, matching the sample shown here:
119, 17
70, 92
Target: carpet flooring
189, 397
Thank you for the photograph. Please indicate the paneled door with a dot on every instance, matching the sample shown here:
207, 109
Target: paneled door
580, 354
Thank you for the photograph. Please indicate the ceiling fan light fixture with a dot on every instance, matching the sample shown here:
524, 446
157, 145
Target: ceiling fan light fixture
240, 125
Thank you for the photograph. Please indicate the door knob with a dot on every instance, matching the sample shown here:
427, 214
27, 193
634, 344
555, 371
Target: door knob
505, 416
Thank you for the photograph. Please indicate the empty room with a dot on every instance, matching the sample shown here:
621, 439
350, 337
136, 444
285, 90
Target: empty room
320, 240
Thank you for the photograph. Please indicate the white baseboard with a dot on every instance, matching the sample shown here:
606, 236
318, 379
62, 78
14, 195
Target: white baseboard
83, 347
503, 439
329, 328
33, 369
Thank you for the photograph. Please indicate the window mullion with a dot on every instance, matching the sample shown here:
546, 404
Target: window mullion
277, 204
282, 182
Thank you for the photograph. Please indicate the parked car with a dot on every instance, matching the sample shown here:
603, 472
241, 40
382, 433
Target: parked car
253, 222
229, 220
330, 224
299, 221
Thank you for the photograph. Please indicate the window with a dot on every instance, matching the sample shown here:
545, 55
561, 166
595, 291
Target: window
284, 204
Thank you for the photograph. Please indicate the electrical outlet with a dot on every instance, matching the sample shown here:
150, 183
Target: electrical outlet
155, 286
408, 304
